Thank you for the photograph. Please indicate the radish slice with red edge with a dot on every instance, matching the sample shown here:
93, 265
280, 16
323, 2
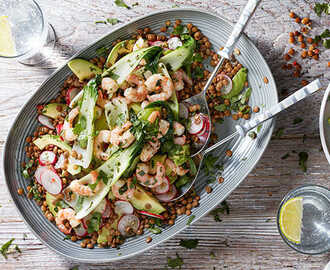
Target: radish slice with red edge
51, 181
156, 43
197, 124
123, 208
47, 158
168, 196
70, 94
80, 231
38, 172
107, 211
183, 111
60, 162
150, 214
163, 187
46, 121
226, 88
128, 221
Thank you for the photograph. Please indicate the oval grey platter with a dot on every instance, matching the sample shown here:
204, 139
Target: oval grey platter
246, 152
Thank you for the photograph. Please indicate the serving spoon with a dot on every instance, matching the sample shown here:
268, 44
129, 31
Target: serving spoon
225, 53
242, 130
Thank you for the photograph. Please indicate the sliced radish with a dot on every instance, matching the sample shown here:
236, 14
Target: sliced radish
80, 230
46, 121
226, 88
157, 43
150, 214
51, 181
60, 162
174, 42
197, 124
107, 211
183, 111
168, 196
128, 221
47, 158
84, 223
70, 94
123, 208
38, 172
163, 187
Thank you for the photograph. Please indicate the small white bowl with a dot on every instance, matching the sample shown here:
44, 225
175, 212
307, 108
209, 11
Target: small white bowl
324, 125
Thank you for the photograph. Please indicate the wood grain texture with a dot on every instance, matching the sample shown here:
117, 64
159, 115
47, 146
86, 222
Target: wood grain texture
248, 237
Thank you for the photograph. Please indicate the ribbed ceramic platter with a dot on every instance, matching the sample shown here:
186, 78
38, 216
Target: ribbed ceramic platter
246, 152
324, 123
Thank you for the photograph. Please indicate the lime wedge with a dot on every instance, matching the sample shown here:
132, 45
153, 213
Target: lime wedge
7, 47
291, 218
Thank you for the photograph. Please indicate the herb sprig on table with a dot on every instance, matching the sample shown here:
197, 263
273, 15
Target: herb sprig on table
224, 208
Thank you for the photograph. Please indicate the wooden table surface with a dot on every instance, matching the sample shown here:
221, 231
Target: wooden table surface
248, 237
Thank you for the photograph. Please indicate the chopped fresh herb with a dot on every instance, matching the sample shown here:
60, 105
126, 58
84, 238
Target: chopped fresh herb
35, 192
93, 186
80, 126
224, 208
112, 21
303, 157
183, 180
103, 176
67, 237
176, 262
189, 243
121, 3
325, 34
197, 58
17, 249
285, 156
259, 128
317, 39
198, 73
98, 22
209, 162
221, 107
279, 133
319, 8
61, 203
102, 51
94, 223
212, 255
326, 43
190, 219
25, 171
4, 248
123, 189
297, 120
155, 230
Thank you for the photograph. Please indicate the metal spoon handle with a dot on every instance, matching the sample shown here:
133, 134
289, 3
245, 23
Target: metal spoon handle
239, 27
284, 104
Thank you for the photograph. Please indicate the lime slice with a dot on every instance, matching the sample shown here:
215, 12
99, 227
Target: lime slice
291, 219
7, 47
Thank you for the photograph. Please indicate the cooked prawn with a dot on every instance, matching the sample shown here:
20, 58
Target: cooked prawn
102, 138
163, 128
175, 169
179, 78
137, 93
153, 116
85, 189
180, 140
125, 195
109, 85
166, 85
66, 214
148, 180
149, 149
101, 100
178, 129
68, 134
122, 136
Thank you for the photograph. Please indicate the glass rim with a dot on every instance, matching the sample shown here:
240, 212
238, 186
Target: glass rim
286, 197
43, 29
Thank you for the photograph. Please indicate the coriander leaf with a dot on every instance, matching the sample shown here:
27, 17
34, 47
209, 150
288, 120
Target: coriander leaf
4, 248
259, 128
209, 162
325, 34
112, 21
98, 22
176, 262
297, 120
121, 3
279, 133
220, 210
303, 157
317, 39
197, 58
190, 219
326, 43
180, 30
67, 237
319, 8
189, 243
197, 73
94, 223
155, 230
285, 156
103, 176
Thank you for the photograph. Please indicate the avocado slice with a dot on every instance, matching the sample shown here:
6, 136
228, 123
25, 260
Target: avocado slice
238, 83
141, 200
101, 123
122, 47
50, 199
136, 107
54, 110
47, 139
83, 69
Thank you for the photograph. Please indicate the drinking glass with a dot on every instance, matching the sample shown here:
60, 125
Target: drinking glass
28, 35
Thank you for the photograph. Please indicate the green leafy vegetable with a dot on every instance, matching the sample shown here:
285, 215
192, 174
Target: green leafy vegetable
325, 33
259, 128
189, 243
303, 157
152, 60
209, 162
246, 96
319, 8
103, 176
4, 248
326, 43
183, 180
221, 107
197, 58
190, 219
155, 230
224, 208
180, 30
94, 223
198, 73
176, 262
121, 3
